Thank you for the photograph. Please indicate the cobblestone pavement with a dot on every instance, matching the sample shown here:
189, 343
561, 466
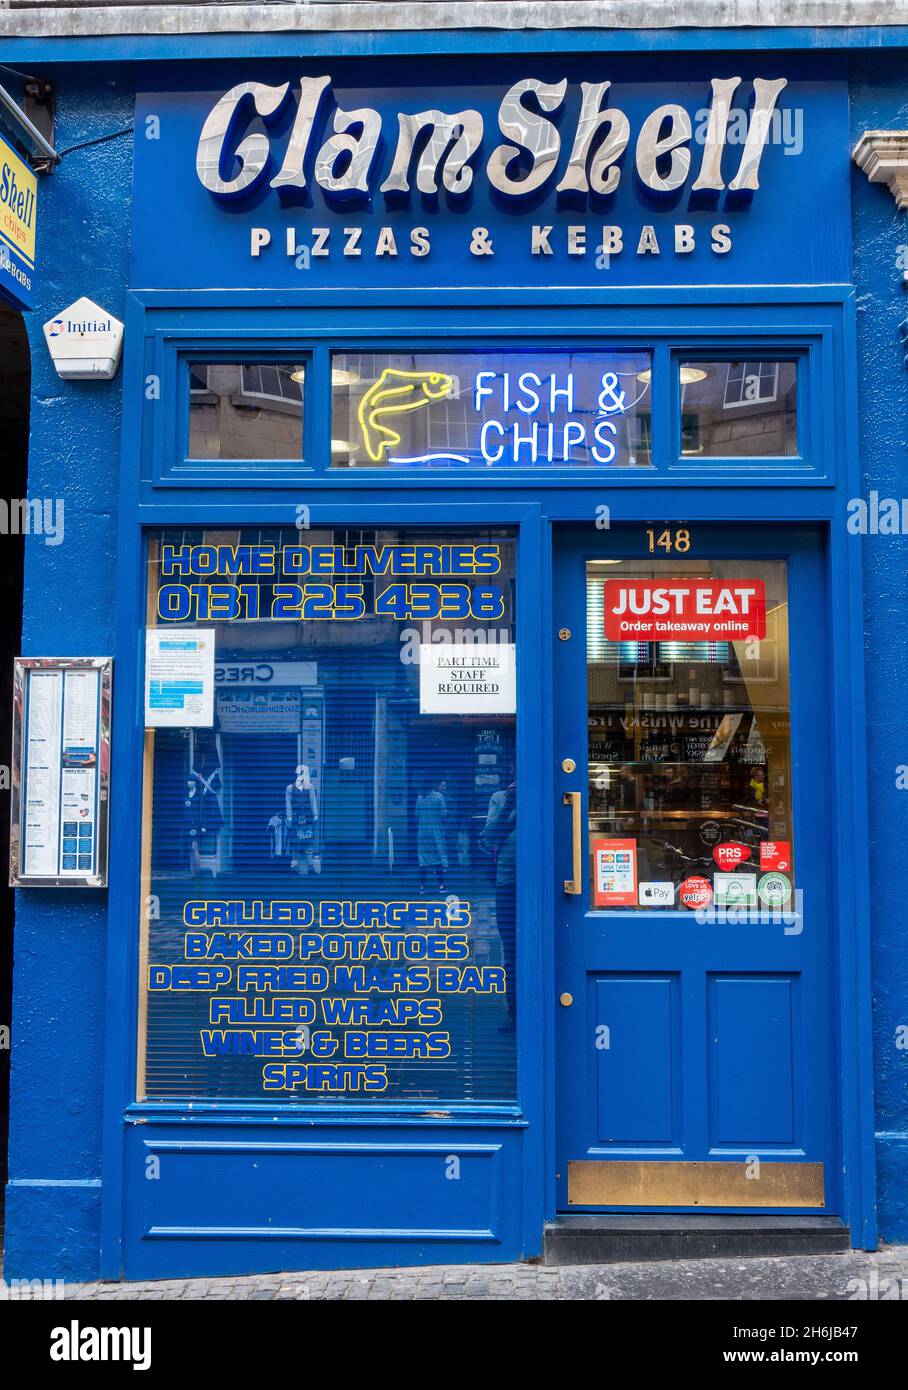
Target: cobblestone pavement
856, 1275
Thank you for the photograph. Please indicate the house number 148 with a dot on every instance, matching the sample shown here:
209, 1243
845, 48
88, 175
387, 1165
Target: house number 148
672, 542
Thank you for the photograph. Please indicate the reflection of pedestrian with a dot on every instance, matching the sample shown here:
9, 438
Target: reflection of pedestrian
675, 787
501, 837
192, 823
431, 845
627, 789
757, 785
301, 808
496, 801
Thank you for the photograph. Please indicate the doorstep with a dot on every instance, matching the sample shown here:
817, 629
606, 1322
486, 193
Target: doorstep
586, 1238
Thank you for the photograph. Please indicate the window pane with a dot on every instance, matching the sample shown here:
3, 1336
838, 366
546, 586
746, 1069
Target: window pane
341, 841
251, 410
739, 409
492, 410
689, 743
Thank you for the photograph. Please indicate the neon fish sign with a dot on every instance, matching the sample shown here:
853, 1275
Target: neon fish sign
396, 393
524, 416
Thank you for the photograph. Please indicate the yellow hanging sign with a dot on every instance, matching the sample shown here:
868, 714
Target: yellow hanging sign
18, 209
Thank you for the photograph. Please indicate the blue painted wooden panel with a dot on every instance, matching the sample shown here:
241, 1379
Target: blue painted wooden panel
753, 1060
638, 1059
240, 1196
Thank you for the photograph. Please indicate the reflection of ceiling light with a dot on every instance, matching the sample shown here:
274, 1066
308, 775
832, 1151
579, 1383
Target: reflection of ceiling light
341, 376
688, 376
605, 562
341, 446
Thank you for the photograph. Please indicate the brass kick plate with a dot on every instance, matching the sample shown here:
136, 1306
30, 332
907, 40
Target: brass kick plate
619, 1183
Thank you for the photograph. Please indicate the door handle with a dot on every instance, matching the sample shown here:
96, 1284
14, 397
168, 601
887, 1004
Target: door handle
574, 885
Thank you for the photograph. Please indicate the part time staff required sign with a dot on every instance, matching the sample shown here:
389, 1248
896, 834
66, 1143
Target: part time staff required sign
18, 206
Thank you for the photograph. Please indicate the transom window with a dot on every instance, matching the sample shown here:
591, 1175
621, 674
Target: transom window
499, 411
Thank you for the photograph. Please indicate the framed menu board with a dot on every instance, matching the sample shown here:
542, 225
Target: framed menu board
60, 782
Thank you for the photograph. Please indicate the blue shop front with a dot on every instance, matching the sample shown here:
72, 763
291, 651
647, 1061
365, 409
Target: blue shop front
488, 842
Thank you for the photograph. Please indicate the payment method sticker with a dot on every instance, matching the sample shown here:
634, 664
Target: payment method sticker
657, 894
615, 873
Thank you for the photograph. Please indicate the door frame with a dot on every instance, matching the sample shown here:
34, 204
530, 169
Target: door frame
850, 930
806, 958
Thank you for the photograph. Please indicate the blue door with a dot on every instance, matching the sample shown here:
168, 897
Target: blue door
694, 872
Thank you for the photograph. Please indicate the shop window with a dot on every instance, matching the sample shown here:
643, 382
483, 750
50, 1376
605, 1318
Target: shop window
450, 410
738, 409
246, 410
690, 738
334, 835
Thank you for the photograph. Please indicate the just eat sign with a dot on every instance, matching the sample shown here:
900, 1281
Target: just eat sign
684, 610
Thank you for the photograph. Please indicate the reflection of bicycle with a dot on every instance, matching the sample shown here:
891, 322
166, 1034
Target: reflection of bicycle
687, 863
746, 831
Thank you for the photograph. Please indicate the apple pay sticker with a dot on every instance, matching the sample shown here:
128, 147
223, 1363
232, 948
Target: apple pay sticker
657, 895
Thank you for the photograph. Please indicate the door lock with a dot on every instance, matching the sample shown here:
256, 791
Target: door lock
568, 765
564, 634
566, 999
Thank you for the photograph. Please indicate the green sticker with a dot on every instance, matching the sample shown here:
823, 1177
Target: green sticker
774, 889
735, 890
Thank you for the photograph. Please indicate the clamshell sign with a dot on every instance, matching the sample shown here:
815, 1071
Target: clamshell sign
507, 169
684, 610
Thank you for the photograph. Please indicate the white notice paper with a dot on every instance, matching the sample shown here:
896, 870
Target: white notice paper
460, 678
179, 678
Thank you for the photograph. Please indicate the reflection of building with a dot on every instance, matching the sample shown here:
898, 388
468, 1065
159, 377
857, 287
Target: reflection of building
739, 409
313, 785
340, 699
245, 410
268, 729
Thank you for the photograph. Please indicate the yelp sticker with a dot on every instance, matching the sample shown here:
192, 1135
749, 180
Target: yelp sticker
695, 892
